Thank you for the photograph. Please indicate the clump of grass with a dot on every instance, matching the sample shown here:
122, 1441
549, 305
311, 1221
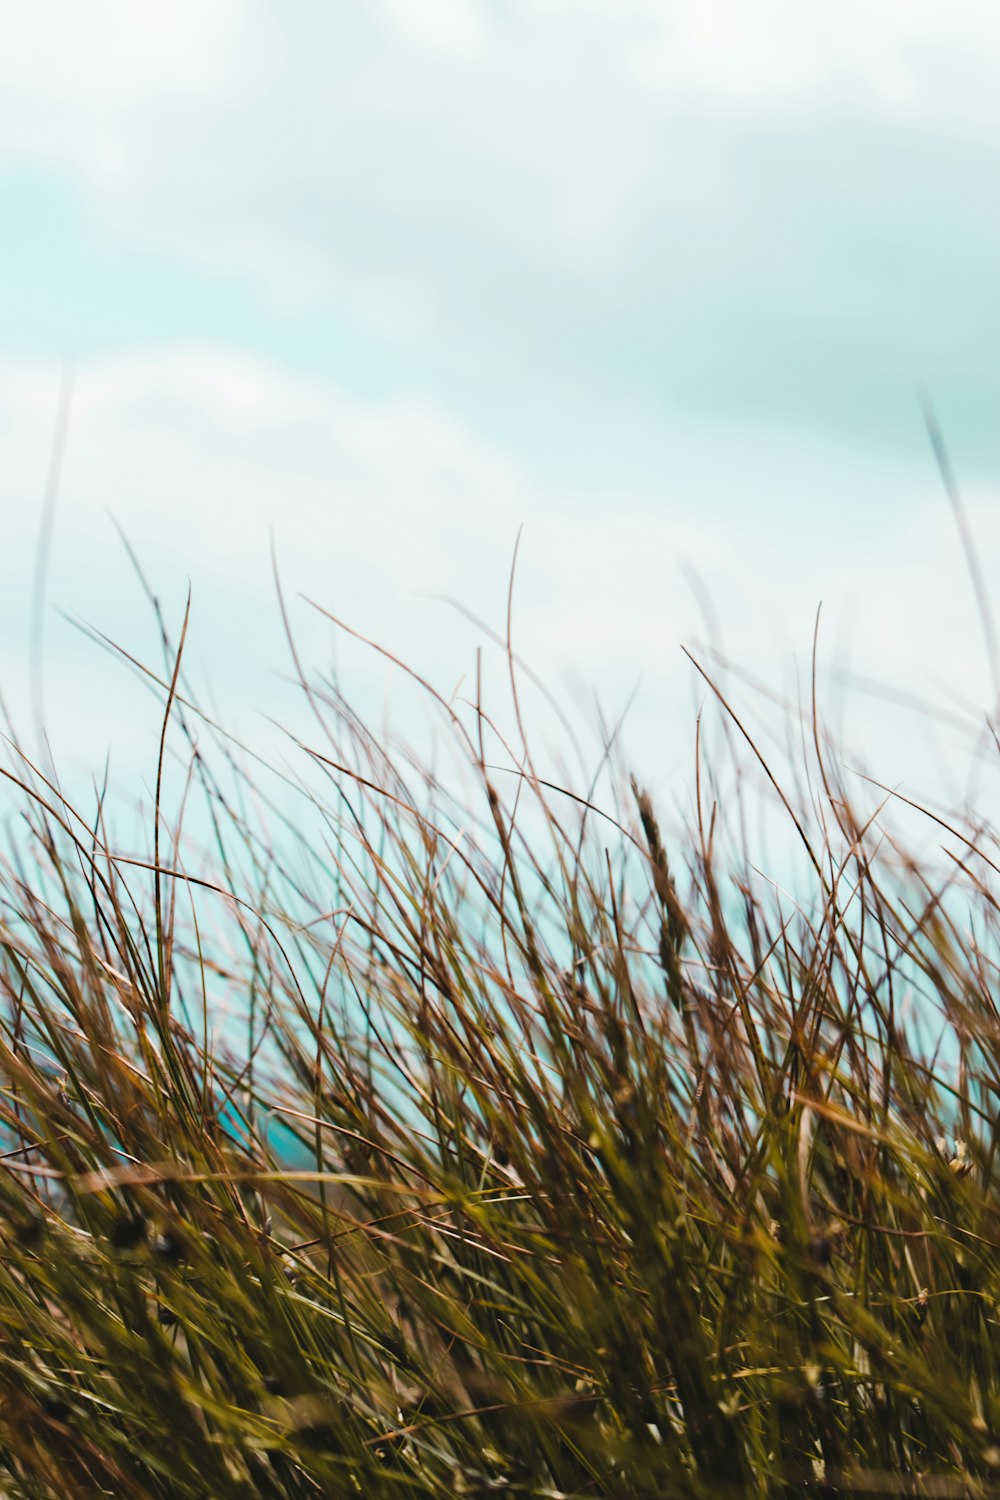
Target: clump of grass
465, 1137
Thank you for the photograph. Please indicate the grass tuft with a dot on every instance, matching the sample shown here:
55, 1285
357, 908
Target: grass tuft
459, 1135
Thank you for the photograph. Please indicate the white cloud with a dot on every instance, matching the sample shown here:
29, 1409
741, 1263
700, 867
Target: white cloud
696, 201
545, 95
110, 88
462, 28
199, 453
614, 189
780, 54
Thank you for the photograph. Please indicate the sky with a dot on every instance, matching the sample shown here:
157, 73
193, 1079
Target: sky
381, 284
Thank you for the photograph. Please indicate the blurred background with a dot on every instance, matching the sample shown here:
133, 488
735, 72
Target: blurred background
378, 283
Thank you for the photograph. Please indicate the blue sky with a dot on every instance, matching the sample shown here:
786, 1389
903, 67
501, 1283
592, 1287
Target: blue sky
658, 279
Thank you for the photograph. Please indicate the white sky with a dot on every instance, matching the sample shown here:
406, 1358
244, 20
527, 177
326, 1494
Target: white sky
657, 280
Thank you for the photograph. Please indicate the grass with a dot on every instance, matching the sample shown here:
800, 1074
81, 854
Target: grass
462, 1137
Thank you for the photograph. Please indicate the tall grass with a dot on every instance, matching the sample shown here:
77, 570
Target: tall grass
461, 1136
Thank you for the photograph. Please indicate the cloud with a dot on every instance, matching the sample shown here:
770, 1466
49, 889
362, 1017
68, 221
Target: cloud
735, 236
200, 453
887, 56
892, 55
109, 90
579, 208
